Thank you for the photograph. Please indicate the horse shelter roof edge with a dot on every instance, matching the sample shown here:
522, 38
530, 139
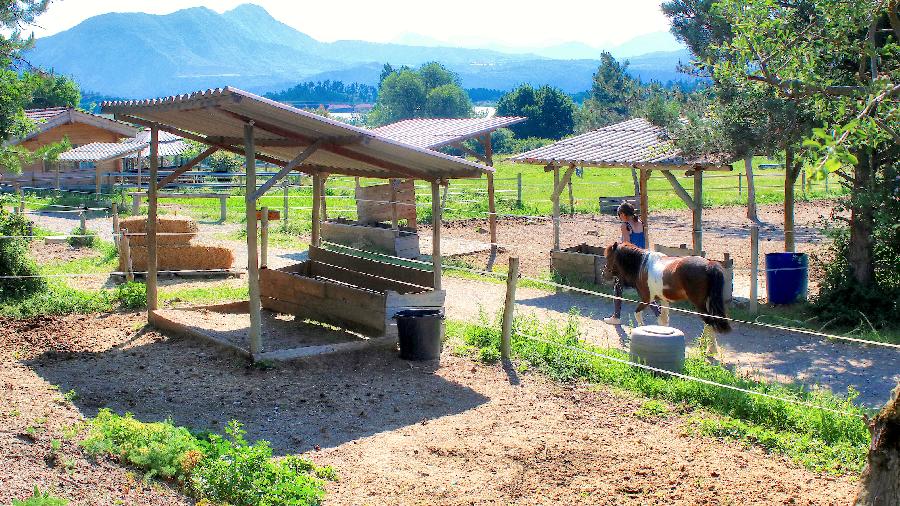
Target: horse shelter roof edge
435, 133
283, 133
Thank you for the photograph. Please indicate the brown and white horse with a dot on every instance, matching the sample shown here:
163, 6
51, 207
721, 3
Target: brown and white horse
671, 279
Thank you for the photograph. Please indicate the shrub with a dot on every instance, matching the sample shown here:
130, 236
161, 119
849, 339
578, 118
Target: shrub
82, 238
39, 498
14, 259
132, 295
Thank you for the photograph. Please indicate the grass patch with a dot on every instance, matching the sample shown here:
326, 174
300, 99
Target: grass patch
832, 442
222, 469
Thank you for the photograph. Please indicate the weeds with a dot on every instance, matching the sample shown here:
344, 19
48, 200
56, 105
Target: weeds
81, 238
39, 498
221, 469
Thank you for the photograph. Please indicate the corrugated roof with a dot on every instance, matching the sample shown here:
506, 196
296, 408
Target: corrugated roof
632, 142
100, 151
433, 133
39, 115
169, 144
217, 117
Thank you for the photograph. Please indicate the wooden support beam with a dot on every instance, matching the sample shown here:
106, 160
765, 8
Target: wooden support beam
492, 201
152, 258
679, 190
436, 233
698, 212
293, 164
559, 186
324, 197
482, 158
645, 207
555, 198
255, 332
316, 239
188, 166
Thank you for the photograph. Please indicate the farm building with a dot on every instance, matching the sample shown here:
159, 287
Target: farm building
55, 124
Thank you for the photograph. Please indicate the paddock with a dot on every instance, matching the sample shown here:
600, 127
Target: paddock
635, 145
233, 120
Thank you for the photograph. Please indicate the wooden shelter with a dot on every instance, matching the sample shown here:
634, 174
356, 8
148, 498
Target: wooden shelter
632, 144
54, 124
441, 133
331, 287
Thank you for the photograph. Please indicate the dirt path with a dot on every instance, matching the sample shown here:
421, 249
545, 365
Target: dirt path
397, 432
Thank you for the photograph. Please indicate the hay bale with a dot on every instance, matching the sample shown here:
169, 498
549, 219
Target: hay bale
135, 227
182, 258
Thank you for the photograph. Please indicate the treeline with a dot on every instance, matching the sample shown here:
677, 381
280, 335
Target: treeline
327, 91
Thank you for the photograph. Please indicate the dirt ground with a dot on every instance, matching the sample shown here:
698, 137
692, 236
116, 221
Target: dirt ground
397, 432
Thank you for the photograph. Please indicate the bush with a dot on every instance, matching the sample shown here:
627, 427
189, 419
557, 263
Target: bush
132, 295
14, 258
82, 238
224, 470
40, 499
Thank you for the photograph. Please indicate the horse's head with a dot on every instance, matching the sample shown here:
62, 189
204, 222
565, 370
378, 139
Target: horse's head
611, 269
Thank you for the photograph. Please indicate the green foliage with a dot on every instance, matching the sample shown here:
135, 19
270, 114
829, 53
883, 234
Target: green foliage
51, 90
325, 91
652, 410
39, 498
14, 259
432, 91
550, 112
613, 95
132, 295
55, 298
225, 470
836, 442
82, 238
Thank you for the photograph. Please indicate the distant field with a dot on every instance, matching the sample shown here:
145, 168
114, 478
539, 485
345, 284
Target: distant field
467, 198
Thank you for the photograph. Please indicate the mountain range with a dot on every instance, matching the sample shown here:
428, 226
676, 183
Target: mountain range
135, 55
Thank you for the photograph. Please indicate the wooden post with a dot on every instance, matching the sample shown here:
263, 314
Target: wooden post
645, 208
284, 215
58, 188
512, 279
635, 181
21, 200
519, 189
126, 254
826, 182
82, 227
316, 210
115, 218
395, 213
255, 334
751, 188
223, 208
436, 233
754, 268
740, 185
698, 211
555, 209
571, 201
492, 202
803, 182
322, 180
152, 301
264, 239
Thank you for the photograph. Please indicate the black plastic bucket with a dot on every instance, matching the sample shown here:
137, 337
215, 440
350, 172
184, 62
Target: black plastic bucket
419, 333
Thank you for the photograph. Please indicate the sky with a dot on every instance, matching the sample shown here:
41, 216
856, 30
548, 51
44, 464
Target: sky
523, 23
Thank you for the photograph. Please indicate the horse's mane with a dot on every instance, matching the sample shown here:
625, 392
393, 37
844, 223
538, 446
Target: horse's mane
628, 259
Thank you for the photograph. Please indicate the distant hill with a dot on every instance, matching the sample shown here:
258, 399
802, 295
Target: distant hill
141, 55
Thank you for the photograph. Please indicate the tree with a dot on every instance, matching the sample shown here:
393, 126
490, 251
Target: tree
613, 96
431, 91
50, 90
435, 75
550, 112
448, 101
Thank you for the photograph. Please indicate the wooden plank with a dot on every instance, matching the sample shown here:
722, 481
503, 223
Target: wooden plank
152, 257
254, 333
293, 164
362, 280
366, 237
555, 198
331, 312
436, 234
188, 166
326, 349
396, 272
431, 298
316, 237
164, 323
679, 190
373, 203
280, 285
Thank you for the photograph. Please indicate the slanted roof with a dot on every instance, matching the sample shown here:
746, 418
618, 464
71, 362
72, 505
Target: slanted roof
100, 151
632, 143
169, 144
433, 133
53, 117
281, 133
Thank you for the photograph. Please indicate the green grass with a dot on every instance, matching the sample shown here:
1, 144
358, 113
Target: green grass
819, 439
220, 469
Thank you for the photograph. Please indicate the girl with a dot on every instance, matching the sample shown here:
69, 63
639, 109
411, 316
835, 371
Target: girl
633, 232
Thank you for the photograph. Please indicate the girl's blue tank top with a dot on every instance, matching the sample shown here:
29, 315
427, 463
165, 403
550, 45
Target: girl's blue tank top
637, 238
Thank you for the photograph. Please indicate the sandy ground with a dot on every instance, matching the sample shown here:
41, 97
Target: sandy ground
397, 432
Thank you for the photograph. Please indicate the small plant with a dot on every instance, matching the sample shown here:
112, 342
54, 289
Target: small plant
132, 295
489, 355
14, 258
39, 498
652, 410
82, 238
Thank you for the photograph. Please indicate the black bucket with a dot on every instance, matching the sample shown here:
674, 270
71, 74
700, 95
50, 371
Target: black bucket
419, 333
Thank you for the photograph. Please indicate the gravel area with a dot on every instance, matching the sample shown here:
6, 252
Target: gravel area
397, 432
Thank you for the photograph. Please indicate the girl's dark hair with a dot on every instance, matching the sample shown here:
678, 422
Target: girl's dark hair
626, 209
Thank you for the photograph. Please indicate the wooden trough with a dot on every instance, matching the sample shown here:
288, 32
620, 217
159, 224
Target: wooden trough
583, 263
402, 242
348, 291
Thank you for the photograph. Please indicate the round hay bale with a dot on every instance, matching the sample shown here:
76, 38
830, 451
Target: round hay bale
183, 258
659, 347
135, 227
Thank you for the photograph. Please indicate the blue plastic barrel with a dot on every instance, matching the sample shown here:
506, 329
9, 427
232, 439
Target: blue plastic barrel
787, 277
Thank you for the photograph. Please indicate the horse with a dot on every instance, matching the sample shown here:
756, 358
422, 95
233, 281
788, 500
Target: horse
671, 279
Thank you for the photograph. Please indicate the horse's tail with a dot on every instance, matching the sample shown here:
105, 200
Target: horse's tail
715, 299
